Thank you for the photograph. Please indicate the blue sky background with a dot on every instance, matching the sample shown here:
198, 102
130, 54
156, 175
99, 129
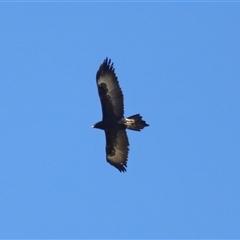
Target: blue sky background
178, 65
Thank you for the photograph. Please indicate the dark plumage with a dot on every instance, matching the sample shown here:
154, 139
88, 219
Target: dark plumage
113, 122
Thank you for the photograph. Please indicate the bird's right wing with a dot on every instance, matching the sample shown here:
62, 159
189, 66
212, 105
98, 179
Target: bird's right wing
117, 148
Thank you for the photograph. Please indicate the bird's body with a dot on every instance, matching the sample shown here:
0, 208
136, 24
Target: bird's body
113, 122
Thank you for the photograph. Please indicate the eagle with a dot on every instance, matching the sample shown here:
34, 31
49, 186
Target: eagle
113, 121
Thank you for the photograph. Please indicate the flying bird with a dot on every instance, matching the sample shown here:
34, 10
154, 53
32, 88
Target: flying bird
113, 121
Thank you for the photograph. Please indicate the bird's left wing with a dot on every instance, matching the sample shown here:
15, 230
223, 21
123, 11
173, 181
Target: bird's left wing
117, 148
109, 91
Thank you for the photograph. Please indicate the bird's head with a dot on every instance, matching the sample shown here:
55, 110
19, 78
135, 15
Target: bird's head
98, 125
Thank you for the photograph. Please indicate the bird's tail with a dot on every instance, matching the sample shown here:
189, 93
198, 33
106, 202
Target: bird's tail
135, 122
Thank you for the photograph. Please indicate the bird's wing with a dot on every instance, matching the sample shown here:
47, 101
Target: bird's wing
109, 91
117, 148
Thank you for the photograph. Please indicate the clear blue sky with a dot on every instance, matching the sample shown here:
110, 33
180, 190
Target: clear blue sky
178, 65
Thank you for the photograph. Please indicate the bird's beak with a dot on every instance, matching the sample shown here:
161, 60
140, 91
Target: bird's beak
92, 126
